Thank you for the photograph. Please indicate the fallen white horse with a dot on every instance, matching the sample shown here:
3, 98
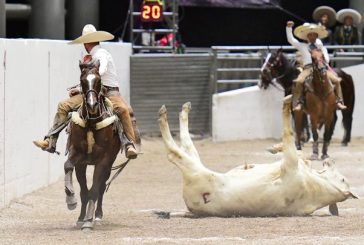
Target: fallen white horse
284, 188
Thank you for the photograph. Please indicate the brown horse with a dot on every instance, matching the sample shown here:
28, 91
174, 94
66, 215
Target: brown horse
320, 104
93, 140
278, 71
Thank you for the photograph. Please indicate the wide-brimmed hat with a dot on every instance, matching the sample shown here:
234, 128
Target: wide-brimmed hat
90, 35
303, 30
320, 11
340, 16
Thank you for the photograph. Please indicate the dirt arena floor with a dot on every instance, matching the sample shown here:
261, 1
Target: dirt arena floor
152, 183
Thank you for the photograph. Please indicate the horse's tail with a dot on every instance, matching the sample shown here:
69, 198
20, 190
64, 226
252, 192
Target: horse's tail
348, 90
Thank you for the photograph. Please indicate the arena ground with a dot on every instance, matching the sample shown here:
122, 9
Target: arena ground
152, 183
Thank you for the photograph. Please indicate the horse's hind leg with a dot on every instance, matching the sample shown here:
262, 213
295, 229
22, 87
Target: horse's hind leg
347, 122
81, 177
186, 141
71, 199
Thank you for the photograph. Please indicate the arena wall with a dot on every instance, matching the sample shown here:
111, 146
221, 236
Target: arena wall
251, 113
34, 76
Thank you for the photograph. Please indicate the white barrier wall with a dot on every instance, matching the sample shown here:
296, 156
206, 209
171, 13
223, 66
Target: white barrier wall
34, 76
251, 113
248, 113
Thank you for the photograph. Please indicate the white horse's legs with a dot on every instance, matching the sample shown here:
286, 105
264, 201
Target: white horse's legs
290, 157
176, 154
186, 141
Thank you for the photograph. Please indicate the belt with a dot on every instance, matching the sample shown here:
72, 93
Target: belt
108, 88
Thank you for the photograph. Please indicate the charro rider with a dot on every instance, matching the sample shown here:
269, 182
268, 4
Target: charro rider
90, 38
347, 33
312, 33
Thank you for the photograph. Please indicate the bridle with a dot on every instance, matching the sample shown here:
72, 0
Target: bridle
100, 105
100, 102
267, 67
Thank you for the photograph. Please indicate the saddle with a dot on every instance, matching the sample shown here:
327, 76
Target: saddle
76, 118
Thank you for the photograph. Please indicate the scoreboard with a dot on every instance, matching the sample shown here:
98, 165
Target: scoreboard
152, 11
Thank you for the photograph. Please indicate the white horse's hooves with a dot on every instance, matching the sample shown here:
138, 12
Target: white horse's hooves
287, 99
162, 110
273, 150
333, 209
72, 206
98, 219
186, 106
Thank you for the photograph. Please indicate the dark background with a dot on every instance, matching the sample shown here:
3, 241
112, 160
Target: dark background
207, 26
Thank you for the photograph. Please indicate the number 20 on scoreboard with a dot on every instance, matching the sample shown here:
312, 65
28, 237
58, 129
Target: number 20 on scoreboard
152, 11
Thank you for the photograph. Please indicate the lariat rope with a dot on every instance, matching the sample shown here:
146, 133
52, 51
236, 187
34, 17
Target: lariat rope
120, 168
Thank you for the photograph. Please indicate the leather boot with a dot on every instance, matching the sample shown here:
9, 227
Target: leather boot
297, 94
50, 140
339, 102
48, 144
131, 152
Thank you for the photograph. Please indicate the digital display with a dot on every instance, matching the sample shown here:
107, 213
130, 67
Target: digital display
152, 11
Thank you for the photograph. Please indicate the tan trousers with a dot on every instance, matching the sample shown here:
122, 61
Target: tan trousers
121, 109
330, 74
303, 75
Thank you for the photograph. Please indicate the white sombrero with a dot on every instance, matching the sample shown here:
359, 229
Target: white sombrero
302, 31
340, 16
320, 11
90, 35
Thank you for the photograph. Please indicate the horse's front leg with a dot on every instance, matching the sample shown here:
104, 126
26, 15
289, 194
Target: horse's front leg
81, 177
298, 127
99, 213
328, 133
315, 135
93, 194
307, 128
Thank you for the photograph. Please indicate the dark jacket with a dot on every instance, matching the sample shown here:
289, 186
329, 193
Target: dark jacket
346, 37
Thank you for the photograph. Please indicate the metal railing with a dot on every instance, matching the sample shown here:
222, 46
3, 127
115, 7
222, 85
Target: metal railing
234, 67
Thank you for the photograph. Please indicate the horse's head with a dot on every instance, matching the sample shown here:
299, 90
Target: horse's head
337, 180
271, 68
318, 61
91, 85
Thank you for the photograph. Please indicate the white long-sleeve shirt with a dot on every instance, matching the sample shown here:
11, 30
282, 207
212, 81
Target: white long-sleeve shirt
304, 47
107, 66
